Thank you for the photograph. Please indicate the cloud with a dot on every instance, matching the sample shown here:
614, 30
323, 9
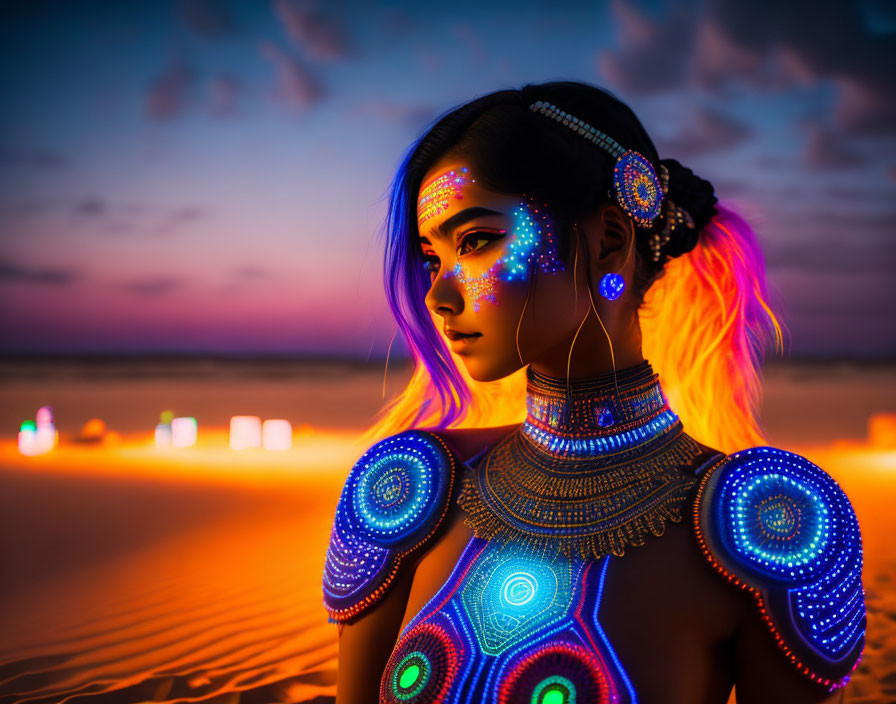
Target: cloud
845, 257
832, 42
766, 45
250, 273
296, 86
156, 286
37, 158
707, 130
90, 207
650, 57
207, 18
318, 34
468, 36
177, 218
226, 91
413, 116
825, 149
11, 272
168, 95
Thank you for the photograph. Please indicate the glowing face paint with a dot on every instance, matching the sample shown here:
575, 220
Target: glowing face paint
531, 241
436, 195
479, 287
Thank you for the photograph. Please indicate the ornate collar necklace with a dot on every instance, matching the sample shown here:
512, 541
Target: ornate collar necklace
594, 468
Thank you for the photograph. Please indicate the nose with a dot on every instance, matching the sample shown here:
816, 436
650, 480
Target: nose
444, 297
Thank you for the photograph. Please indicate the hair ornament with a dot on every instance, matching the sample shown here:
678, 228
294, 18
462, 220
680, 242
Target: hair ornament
635, 183
673, 216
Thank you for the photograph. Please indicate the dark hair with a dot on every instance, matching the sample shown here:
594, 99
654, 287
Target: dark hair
705, 328
513, 149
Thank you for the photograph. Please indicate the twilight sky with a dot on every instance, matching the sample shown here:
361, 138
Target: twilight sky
210, 176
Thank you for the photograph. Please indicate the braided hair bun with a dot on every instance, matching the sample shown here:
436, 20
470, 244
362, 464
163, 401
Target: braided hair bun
697, 196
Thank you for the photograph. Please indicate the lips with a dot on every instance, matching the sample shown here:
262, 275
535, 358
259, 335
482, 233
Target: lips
458, 335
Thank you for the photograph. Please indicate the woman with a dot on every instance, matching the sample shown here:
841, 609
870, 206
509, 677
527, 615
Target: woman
596, 552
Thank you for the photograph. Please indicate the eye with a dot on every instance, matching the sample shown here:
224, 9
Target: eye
478, 236
430, 263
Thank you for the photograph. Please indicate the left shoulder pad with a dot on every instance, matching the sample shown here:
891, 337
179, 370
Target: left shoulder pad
394, 500
781, 528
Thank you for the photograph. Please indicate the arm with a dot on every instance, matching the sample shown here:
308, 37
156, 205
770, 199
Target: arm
763, 674
365, 644
392, 506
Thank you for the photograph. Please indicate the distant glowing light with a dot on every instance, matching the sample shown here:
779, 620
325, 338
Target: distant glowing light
93, 430
28, 439
163, 435
37, 438
245, 431
166, 417
183, 431
276, 434
44, 416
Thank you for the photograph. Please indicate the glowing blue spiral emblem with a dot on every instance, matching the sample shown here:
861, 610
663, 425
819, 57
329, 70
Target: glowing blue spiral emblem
782, 525
401, 480
778, 514
519, 588
637, 188
611, 286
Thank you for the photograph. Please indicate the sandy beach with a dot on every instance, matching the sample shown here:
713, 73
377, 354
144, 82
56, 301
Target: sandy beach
131, 574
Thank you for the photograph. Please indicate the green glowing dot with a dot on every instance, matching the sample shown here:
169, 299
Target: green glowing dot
166, 417
555, 689
553, 696
409, 676
28, 425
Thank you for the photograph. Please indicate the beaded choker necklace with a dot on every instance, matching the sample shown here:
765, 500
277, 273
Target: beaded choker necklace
592, 470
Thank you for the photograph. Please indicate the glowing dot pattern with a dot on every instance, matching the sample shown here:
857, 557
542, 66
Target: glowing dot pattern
638, 188
394, 499
779, 526
437, 194
533, 677
422, 666
531, 243
477, 288
514, 626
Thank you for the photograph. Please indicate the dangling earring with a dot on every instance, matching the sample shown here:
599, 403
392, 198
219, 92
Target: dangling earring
611, 286
606, 418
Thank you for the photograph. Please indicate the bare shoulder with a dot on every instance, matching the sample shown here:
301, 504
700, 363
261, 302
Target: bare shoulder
467, 442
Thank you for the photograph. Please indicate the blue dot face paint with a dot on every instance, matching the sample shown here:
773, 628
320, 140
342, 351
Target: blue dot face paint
531, 243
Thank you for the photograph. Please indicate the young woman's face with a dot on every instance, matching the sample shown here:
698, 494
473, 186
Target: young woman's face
484, 250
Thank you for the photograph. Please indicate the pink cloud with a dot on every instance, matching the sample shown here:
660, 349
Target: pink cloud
296, 85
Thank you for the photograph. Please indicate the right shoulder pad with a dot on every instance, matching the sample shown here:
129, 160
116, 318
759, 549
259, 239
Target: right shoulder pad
393, 502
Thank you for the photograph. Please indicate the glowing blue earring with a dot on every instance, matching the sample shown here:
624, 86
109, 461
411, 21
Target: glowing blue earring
611, 286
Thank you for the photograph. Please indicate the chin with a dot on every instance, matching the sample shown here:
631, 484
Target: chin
485, 370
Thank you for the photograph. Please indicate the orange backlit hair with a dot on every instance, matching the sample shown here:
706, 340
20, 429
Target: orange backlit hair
706, 325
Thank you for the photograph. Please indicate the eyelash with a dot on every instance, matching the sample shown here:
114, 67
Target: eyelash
489, 237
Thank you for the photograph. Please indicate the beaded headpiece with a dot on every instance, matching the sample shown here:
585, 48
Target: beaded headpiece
637, 188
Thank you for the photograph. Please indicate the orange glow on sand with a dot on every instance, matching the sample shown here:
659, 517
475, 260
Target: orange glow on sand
226, 598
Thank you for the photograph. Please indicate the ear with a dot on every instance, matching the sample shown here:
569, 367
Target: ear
618, 236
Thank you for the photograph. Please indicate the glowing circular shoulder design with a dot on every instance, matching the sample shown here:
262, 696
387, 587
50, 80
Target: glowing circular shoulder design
780, 527
394, 499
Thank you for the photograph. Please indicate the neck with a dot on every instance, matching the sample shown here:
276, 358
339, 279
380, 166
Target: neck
599, 415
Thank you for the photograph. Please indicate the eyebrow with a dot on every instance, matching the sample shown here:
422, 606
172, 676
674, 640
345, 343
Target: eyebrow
444, 230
